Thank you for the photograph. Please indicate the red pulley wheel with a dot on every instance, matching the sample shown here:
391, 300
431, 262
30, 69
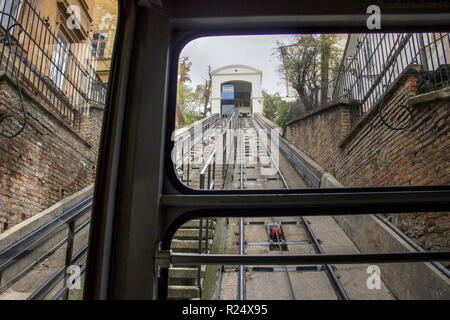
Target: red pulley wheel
279, 232
272, 233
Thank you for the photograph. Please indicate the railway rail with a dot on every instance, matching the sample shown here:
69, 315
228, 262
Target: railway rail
252, 161
257, 236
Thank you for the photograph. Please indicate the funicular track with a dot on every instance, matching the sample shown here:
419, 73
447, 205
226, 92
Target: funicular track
258, 169
76, 217
197, 166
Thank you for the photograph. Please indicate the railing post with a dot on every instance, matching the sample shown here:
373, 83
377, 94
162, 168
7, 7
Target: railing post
200, 235
202, 181
199, 268
422, 52
69, 253
224, 155
189, 161
209, 177
214, 172
206, 235
182, 160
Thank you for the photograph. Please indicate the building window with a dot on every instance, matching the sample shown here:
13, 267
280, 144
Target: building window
10, 12
99, 41
228, 91
59, 60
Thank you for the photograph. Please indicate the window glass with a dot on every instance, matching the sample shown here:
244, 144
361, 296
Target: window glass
52, 102
312, 111
99, 42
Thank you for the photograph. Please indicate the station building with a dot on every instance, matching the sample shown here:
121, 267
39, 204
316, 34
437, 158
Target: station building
237, 88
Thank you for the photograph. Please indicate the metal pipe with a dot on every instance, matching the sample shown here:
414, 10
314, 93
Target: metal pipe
206, 235
359, 258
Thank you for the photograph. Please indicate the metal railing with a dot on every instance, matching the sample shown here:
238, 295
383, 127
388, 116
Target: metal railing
228, 143
186, 143
209, 173
376, 61
23, 248
47, 64
208, 182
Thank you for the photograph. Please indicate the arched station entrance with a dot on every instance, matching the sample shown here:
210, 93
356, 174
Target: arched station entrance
236, 97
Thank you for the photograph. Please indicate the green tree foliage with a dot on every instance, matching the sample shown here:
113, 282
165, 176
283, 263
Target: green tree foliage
275, 108
203, 92
187, 99
309, 63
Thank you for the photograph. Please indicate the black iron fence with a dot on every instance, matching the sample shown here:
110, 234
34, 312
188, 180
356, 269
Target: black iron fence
47, 63
24, 255
373, 61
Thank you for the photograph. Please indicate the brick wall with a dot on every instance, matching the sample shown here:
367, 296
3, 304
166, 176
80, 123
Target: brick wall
319, 133
47, 161
371, 154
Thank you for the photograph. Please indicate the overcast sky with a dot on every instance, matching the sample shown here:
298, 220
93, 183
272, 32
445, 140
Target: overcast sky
255, 51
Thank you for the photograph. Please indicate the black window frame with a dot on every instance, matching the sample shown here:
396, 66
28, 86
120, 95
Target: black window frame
409, 204
109, 275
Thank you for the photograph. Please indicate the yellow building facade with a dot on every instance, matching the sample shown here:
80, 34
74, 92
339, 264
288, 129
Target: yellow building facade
46, 45
103, 31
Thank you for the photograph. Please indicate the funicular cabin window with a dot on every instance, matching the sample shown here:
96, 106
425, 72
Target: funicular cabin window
285, 224
286, 112
307, 111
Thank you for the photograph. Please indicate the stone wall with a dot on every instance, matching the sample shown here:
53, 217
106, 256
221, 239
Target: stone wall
45, 163
369, 153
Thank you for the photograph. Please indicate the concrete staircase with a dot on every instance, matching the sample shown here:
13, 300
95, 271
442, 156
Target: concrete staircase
183, 279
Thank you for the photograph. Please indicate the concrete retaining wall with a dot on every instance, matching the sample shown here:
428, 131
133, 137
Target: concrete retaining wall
370, 235
55, 260
406, 280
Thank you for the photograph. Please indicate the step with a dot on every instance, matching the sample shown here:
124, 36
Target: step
183, 292
184, 273
192, 234
188, 245
195, 223
184, 276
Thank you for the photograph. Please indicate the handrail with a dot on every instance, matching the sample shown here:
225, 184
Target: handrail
205, 123
185, 153
210, 165
37, 237
210, 162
